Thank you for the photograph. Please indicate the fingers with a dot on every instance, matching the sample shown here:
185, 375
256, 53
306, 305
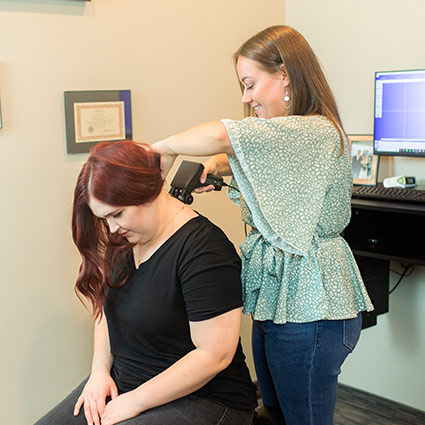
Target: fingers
91, 412
78, 405
203, 176
95, 413
204, 189
93, 397
87, 414
101, 406
114, 391
92, 409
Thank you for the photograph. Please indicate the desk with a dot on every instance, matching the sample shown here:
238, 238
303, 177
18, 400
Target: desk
380, 232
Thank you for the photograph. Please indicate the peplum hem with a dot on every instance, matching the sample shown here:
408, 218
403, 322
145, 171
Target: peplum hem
284, 287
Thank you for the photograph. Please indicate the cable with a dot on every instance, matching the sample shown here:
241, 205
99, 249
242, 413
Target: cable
402, 275
406, 275
232, 187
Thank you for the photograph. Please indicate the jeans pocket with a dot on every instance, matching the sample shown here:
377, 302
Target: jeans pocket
352, 328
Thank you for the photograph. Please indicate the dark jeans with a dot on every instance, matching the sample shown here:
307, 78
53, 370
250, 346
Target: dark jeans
189, 410
298, 364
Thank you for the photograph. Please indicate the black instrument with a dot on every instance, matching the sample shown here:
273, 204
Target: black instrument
187, 179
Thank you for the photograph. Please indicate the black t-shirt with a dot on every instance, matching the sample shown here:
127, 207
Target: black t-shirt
193, 276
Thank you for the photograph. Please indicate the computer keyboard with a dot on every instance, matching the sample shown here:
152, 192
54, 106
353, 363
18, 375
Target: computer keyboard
389, 194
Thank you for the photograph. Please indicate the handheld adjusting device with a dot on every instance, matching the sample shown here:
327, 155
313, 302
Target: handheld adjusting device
187, 179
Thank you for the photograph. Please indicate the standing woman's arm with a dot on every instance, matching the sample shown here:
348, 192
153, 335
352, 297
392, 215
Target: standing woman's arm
218, 165
100, 384
203, 140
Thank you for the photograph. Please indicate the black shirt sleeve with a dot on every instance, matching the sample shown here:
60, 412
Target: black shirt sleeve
209, 274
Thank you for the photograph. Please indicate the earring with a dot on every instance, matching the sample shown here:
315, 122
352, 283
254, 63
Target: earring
287, 98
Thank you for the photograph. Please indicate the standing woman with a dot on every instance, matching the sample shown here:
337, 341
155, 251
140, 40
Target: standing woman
291, 167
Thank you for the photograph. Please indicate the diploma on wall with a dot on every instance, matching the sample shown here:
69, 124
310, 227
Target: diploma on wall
99, 121
93, 116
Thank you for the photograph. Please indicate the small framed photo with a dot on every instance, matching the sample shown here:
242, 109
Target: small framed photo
364, 163
96, 116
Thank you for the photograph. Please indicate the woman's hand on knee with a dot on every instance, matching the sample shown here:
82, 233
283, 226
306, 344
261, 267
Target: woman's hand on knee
123, 407
93, 398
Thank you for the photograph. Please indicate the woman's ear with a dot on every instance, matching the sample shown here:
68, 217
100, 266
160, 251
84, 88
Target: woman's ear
284, 76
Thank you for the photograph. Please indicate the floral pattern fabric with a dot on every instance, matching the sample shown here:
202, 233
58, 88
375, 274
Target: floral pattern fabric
295, 189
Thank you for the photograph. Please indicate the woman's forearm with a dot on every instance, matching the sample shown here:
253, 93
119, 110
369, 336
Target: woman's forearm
215, 340
203, 140
219, 165
102, 357
184, 377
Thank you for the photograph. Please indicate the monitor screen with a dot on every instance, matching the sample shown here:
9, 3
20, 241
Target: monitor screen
399, 128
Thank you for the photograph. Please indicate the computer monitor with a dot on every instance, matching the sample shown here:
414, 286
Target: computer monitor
399, 128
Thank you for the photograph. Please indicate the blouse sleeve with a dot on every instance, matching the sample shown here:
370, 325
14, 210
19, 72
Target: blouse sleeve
281, 166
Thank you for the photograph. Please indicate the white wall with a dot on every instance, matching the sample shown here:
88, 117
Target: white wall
353, 40
175, 56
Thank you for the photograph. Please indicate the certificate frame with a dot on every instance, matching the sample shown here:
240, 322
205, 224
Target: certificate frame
361, 149
95, 116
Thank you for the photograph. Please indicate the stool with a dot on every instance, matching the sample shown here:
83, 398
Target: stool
269, 416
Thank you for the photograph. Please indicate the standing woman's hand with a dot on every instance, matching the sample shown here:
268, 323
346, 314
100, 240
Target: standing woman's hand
217, 165
167, 159
98, 388
210, 167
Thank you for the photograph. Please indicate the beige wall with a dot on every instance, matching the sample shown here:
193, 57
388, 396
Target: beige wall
353, 40
176, 59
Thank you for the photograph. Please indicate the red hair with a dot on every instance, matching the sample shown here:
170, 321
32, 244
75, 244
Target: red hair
120, 173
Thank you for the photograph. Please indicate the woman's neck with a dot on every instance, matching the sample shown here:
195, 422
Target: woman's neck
172, 215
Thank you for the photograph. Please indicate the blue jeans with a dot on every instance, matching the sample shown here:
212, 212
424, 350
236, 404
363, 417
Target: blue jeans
298, 364
189, 410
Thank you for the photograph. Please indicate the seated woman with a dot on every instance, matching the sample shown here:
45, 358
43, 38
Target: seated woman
164, 283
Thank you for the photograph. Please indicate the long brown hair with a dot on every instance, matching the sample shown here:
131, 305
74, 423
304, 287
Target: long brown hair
282, 48
119, 174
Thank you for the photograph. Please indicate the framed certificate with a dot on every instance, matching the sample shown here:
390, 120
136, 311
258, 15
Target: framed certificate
96, 116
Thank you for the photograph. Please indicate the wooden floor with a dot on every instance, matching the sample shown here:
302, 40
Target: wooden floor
355, 407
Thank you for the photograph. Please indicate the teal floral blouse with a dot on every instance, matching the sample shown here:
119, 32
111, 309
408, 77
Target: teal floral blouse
295, 191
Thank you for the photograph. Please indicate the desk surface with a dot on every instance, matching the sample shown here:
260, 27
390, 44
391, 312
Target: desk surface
389, 206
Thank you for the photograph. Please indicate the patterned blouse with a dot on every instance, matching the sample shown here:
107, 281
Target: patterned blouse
295, 191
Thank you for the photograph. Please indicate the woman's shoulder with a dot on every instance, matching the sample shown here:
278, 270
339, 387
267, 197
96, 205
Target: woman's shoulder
199, 227
293, 136
303, 122
291, 123
200, 238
